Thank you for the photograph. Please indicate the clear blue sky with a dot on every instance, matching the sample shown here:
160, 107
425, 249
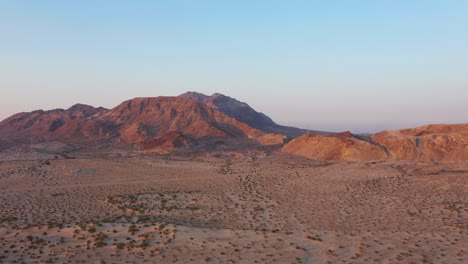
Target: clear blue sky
330, 65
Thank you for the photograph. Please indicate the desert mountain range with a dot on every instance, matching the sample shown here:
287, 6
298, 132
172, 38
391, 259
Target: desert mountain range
161, 124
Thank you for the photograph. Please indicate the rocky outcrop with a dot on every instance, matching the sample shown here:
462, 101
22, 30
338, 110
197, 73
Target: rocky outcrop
436, 143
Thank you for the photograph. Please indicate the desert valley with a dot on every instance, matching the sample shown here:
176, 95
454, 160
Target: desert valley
207, 179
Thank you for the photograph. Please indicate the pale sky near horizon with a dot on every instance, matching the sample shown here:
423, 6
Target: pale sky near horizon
363, 66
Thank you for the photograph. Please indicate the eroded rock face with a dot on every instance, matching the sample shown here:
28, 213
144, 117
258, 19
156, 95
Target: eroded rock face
437, 143
337, 147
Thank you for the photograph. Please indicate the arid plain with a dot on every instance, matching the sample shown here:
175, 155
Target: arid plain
231, 207
243, 132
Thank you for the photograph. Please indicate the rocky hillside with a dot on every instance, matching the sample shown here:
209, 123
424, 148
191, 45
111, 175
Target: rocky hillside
432, 143
438, 143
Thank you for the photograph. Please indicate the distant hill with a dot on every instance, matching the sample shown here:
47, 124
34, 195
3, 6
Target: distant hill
75, 124
431, 143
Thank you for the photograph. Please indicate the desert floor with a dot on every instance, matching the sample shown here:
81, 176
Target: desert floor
231, 208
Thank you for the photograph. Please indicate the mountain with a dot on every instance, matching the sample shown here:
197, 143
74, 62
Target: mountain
431, 143
244, 113
140, 119
146, 121
334, 147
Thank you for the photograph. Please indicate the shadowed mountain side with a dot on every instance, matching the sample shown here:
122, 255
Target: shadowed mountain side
4, 145
437, 143
166, 143
336, 147
244, 113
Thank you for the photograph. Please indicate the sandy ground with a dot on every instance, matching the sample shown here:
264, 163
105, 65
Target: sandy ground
232, 209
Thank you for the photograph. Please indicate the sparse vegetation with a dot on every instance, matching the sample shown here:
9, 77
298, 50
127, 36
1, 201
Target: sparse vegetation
343, 212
